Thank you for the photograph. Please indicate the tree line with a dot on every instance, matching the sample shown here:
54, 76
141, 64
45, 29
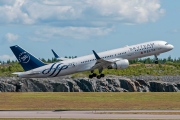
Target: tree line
151, 60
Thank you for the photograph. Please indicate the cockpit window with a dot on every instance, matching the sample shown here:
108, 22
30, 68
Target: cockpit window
167, 44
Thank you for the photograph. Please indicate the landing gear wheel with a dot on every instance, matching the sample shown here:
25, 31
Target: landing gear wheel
94, 74
98, 76
102, 75
156, 62
90, 76
156, 59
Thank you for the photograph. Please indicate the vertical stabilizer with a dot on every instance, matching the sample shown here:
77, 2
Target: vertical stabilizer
27, 61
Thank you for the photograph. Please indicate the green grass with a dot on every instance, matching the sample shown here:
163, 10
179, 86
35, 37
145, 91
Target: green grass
89, 101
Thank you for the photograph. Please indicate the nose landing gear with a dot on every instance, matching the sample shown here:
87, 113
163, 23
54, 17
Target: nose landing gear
156, 59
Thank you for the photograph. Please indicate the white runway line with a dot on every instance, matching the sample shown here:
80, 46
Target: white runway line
88, 114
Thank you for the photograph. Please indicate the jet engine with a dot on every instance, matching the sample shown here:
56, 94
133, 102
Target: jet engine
121, 64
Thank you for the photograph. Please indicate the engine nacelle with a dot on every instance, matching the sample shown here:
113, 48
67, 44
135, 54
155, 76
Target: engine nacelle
121, 64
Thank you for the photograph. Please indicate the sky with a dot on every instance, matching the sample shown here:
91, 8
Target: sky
76, 27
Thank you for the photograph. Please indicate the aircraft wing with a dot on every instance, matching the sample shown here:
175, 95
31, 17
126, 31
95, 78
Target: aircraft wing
55, 55
101, 63
58, 57
62, 58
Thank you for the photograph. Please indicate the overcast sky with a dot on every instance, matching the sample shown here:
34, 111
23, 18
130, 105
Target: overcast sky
76, 27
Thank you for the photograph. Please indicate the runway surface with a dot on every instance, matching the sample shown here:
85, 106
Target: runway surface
129, 114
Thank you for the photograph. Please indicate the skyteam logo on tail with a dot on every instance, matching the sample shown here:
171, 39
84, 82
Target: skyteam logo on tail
24, 57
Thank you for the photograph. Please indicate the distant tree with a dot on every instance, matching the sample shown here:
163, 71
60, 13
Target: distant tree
169, 59
43, 60
49, 61
8, 61
54, 60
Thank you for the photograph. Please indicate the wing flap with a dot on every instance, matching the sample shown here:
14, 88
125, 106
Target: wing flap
100, 63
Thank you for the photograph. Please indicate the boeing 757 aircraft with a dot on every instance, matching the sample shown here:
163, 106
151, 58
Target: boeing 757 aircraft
112, 59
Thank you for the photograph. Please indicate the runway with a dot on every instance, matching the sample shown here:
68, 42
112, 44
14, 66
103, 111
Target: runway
128, 114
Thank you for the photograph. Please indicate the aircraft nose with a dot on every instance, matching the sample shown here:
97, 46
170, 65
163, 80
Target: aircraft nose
171, 47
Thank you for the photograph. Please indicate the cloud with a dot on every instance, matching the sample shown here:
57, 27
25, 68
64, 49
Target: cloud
79, 19
70, 32
7, 57
128, 11
175, 31
11, 37
12, 13
106, 11
7, 2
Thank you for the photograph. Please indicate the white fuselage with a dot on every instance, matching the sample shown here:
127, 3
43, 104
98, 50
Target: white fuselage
85, 63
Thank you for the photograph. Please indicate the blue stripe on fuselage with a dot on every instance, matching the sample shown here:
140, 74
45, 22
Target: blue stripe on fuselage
62, 68
43, 72
55, 69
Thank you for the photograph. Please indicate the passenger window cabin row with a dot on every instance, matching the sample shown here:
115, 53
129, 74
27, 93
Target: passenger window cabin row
104, 57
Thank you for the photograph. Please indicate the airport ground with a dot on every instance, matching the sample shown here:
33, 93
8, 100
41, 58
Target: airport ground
89, 101
131, 105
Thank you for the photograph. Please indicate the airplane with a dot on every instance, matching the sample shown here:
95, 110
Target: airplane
112, 59
58, 57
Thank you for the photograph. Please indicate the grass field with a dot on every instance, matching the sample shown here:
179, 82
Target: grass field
89, 101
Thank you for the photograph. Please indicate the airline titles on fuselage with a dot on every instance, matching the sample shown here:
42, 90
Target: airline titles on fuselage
142, 47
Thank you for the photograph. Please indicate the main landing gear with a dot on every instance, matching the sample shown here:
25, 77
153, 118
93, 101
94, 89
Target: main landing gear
156, 59
92, 75
95, 75
100, 76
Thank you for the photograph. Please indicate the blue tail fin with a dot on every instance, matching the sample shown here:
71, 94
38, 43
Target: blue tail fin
27, 61
56, 56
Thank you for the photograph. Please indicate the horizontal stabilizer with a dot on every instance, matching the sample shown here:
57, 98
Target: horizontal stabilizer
62, 58
21, 74
17, 73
